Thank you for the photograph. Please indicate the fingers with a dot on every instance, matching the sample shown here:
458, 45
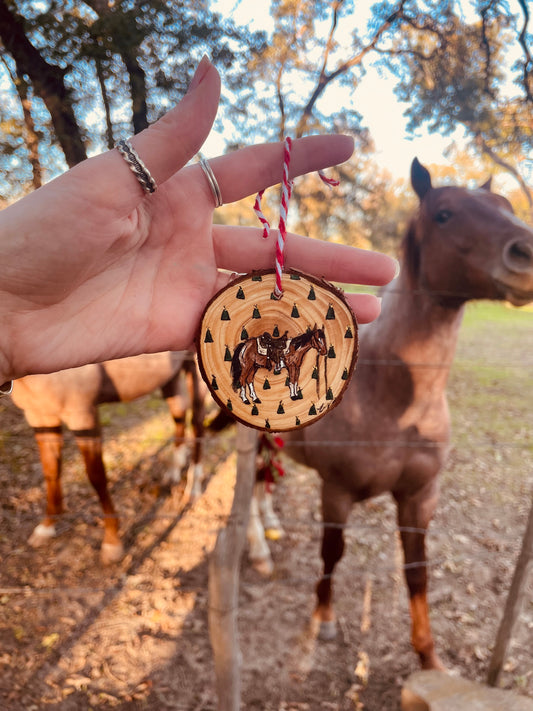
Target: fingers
254, 168
242, 249
366, 307
167, 145
164, 147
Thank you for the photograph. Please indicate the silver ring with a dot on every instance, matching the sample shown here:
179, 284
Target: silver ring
137, 166
215, 189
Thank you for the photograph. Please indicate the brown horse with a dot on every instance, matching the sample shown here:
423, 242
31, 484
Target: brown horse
71, 397
462, 244
248, 357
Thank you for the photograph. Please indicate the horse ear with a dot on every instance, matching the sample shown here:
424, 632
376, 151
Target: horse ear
420, 178
487, 185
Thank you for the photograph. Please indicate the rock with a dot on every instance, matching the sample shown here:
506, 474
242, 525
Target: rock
438, 691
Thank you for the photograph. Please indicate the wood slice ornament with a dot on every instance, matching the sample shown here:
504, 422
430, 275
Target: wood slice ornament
277, 364
277, 347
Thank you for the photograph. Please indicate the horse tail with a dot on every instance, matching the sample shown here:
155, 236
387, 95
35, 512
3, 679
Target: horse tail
236, 367
317, 367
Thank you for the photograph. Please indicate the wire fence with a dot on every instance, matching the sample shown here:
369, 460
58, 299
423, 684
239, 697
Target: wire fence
523, 441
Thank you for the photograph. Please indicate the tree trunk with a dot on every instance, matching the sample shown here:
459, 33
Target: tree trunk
110, 140
31, 138
137, 80
224, 577
48, 83
513, 604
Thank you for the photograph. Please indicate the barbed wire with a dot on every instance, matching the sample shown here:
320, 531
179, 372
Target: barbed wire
149, 587
522, 443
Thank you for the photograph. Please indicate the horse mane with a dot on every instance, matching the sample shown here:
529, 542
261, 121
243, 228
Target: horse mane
303, 338
410, 251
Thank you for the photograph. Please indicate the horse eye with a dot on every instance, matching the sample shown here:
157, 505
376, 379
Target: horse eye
443, 216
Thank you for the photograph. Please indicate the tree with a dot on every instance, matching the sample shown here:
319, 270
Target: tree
451, 73
96, 70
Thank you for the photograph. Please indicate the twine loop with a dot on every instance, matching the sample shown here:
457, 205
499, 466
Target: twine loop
286, 191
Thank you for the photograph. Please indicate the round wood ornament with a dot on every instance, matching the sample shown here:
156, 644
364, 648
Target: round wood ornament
277, 364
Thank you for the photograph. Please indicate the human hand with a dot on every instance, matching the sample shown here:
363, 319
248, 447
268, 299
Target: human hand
94, 269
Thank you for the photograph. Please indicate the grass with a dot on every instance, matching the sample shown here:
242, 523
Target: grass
491, 385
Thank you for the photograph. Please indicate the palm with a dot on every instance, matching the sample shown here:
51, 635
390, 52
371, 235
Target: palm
93, 269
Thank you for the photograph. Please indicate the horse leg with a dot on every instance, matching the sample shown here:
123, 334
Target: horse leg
336, 506
245, 379
180, 454
90, 445
293, 383
50, 443
183, 458
258, 550
253, 394
414, 516
250, 382
271, 523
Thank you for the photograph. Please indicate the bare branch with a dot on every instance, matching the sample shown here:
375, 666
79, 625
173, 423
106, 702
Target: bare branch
324, 78
488, 151
528, 63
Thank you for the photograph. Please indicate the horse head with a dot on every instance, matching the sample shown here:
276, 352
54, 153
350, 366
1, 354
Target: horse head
467, 244
319, 340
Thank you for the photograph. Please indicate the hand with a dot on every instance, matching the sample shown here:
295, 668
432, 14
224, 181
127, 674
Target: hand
94, 269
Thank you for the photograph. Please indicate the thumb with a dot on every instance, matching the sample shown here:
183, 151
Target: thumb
164, 147
167, 145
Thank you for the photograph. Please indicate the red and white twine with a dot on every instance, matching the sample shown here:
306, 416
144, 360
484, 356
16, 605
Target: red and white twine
286, 191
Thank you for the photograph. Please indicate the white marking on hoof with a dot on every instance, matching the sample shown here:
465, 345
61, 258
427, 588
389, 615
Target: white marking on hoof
264, 567
180, 460
111, 553
327, 631
273, 528
41, 535
258, 550
195, 478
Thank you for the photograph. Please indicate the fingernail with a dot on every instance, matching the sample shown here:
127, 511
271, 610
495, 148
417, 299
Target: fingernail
396, 269
199, 74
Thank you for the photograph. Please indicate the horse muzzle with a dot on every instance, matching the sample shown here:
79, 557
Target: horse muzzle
514, 277
518, 256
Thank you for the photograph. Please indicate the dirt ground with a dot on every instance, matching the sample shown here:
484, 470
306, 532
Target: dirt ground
134, 636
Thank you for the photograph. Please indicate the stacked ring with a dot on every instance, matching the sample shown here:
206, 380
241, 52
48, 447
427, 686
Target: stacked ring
213, 184
137, 166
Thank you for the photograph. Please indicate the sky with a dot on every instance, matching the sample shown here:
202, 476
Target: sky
374, 99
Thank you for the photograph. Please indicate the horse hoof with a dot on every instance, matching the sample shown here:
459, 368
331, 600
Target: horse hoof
257, 401
41, 535
111, 553
327, 631
294, 397
263, 566
324, 630
432, 661
274, 534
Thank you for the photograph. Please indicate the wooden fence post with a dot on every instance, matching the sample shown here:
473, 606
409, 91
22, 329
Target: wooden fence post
224, 577
513, 604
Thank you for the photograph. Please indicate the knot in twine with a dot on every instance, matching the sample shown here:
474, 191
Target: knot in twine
286, 191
